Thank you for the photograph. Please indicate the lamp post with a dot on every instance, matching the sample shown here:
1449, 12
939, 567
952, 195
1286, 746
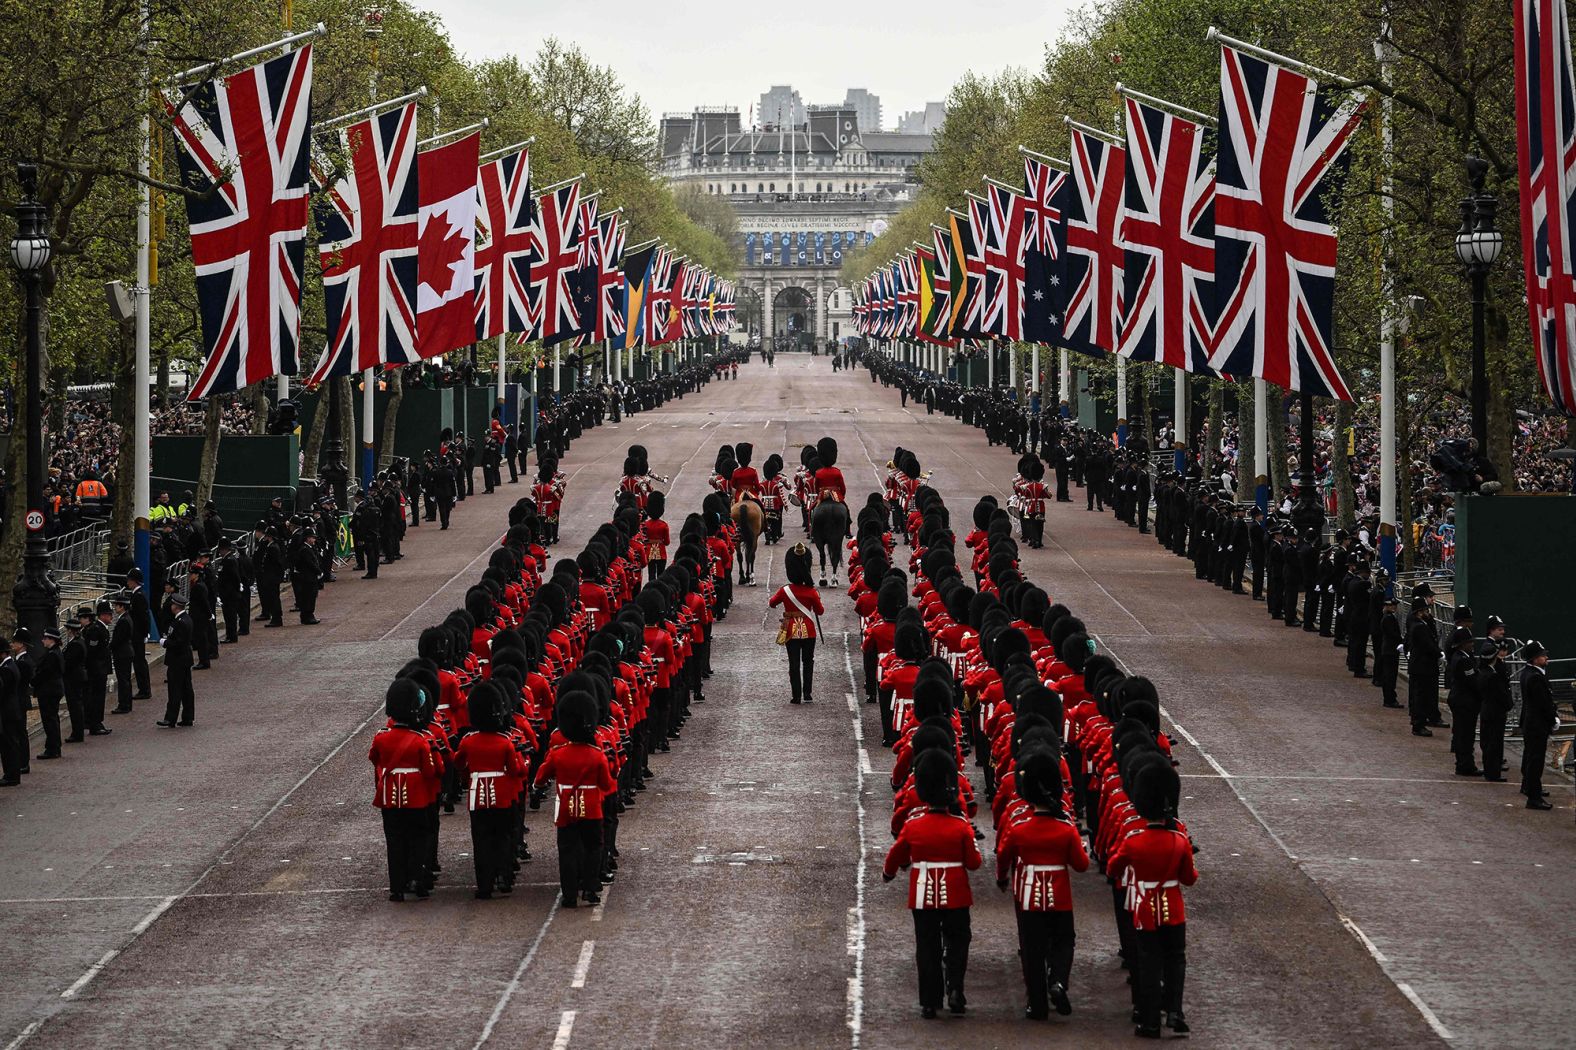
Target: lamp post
35, 597
1478, 244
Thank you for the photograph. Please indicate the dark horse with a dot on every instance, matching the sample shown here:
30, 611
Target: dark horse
828, 529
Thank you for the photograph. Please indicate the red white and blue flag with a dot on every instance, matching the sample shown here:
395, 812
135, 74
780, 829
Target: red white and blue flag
1546, 144
553, 253
1004, 246
1283, 141
504, 210
1044, 245
245, 138
368, 213
1168, 233
610, 279
1094, 261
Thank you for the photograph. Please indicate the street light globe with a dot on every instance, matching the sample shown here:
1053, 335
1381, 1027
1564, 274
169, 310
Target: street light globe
30, 254
1486, 246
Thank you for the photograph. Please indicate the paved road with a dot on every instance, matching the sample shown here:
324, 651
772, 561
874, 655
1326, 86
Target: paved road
222, 886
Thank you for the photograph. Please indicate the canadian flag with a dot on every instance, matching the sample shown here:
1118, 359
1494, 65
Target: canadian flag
446, 247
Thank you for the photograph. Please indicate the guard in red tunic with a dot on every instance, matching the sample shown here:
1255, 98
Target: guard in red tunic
803, 486
773, 497
745, 481
654, 533
406, 777
937, 845
584, 780
1154, 863
493, 773
549, 498
722, 471
1035, 857
1032, 495
634, 482
828, 483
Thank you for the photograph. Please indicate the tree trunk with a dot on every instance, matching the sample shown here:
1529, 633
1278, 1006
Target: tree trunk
213, 413
123, 517
350, 437
164, 378
1247, 481
260, 407
1341, 467
1280, 478
391, 418
314, 435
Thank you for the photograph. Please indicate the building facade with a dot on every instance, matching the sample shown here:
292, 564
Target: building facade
804, 197
867, 109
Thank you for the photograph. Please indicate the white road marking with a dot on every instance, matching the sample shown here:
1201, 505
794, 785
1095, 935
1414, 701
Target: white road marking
514, 986
1406, 989
566, 1025
856, 946
88, 975
596, 912
25, 1034
583, 965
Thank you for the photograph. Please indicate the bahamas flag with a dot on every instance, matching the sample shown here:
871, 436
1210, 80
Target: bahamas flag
637, 286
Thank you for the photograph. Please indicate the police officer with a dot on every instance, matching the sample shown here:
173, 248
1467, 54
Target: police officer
1537, 722
1358, 606
122, 641
234, 592
95, 639
366, 526
1422, 663
305, 577
179, 641
1494, 689
1465, 699
268, 566
141, 626
49, 688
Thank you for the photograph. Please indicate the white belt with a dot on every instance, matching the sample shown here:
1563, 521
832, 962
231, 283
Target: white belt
484, 793
396, 788
1026, 889
923, 866
558, 799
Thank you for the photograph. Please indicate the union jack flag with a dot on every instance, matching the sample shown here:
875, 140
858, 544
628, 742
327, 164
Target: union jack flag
1168, 232
1545, 127
368, 215
1004, 246
553, 253
689, 300
1094, 259
610, 281
504, 210
1044, 246
1282, 144
245, 138
660, 300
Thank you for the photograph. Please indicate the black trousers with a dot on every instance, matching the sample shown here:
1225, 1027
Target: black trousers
305, 597
1464, 714
139, 664
941, 952
1357, 647
405, 833
1258, 578
13, 739
1045, 948
270, 607
579, 859
79, 722
490, 846
1161, 971
1422, 694
801, 666
93, 699
182, 703
49, 718
656, 567
1491, 728
444, 506
1289, 603
1534, 753
122, 664
237, 614
367, 555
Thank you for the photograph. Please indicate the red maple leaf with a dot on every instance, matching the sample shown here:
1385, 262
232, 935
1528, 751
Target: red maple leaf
440, 249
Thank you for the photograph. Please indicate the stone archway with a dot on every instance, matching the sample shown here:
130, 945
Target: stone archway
794, 313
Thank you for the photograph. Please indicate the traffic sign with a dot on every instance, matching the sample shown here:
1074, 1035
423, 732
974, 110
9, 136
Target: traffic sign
34, 520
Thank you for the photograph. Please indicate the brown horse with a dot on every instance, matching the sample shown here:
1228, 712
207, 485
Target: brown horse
749, 517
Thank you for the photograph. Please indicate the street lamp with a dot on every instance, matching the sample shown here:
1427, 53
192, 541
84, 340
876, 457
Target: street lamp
1478, 244
35, 597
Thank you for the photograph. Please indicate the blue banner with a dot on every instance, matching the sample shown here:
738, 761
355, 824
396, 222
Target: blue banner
820, 248
803, 257
787, 246
749, 249
767, 244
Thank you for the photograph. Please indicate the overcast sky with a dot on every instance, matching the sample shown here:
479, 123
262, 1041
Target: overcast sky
677, 54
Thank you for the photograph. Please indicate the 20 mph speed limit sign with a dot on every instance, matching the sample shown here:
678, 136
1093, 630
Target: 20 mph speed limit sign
35, 520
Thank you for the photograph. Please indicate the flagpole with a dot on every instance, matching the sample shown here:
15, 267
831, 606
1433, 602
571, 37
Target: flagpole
1179, 418
1261, 444
367, 111
1169, 107
1387, 332
1064, 383
1216, 36
456, 133
197, 74
371, 29
1121, 401
1055, 162
502, 364
1103, 136
495, 154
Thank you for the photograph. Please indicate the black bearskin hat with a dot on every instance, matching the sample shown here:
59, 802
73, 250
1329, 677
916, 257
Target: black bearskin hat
744, 452
772, 467
546, 469
402, 700
909, 642
631, 467
577, 716
1039, 778
1074, 651
806, 454
1155, 788
485, 707
891, 599
796, 563
1033, 469
826, 451
936, 779
725, 461
982, 513
656, 505
932, 697
1024, 463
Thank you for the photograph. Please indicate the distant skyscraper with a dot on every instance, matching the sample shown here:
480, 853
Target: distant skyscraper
866, 107
780, 105
923, 122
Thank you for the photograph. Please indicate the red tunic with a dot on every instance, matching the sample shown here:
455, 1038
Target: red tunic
939, 851
657, 539
797, 624
829, 481
583, 777
1154, 864
745, 482
1038, 852
404, 770
496, 770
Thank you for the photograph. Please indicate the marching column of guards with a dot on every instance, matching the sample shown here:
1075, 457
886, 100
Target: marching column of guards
1068, 749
